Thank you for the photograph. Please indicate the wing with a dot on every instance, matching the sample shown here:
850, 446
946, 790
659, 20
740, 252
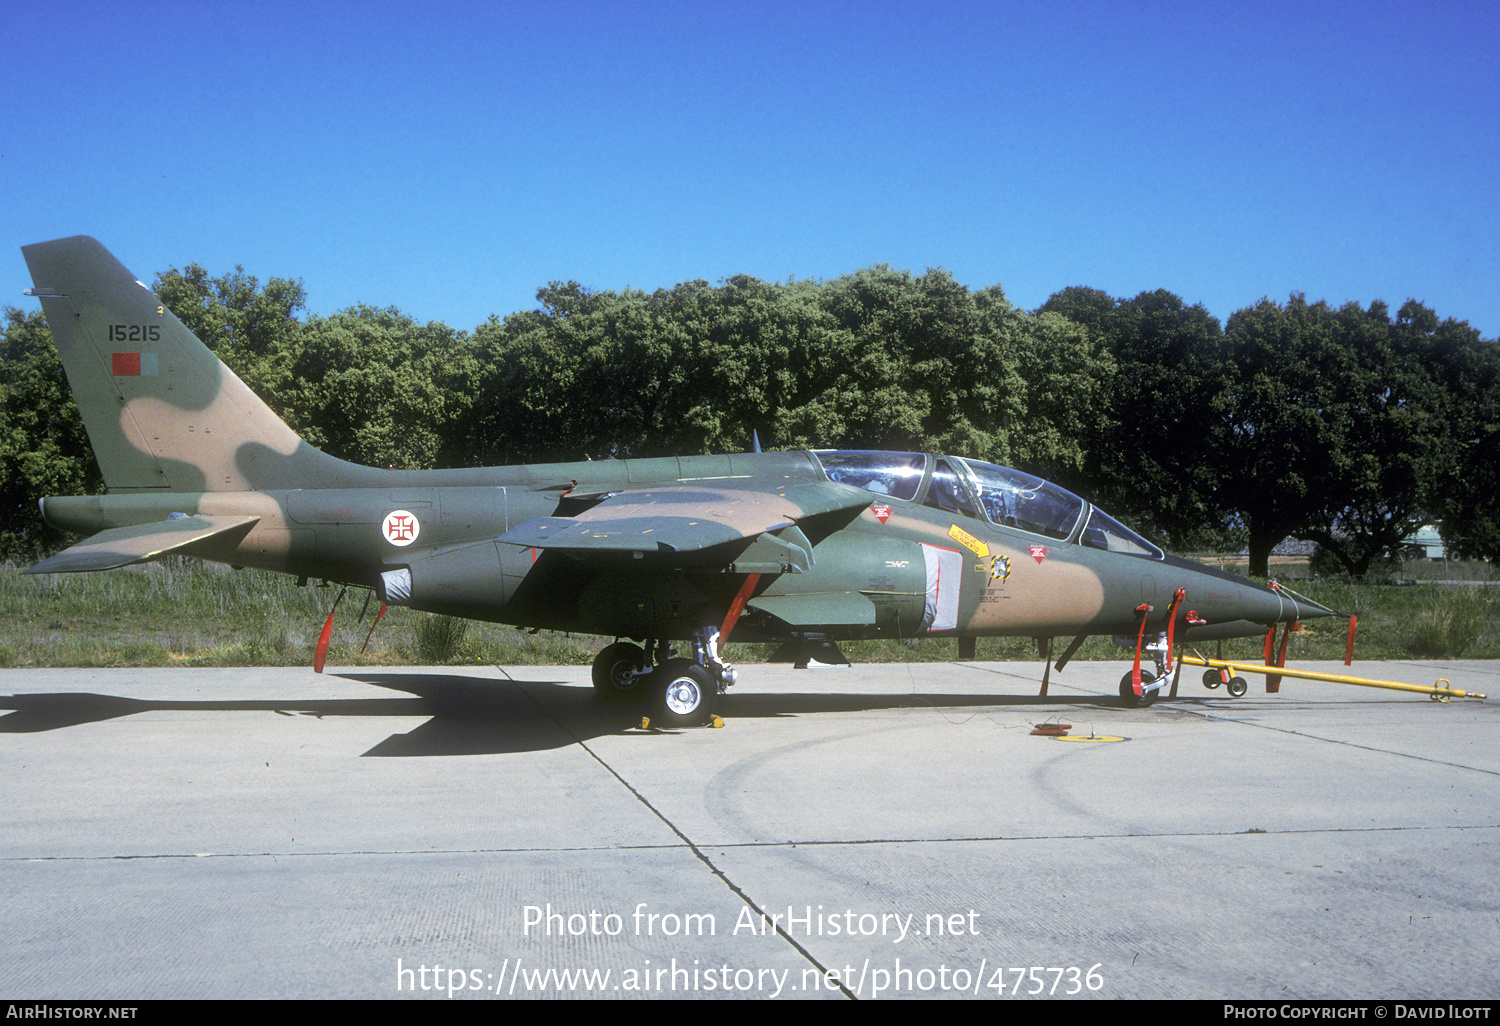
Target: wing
692, 517
121, 546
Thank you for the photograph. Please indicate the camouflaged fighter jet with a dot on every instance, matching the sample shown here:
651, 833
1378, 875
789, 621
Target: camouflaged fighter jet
802, 547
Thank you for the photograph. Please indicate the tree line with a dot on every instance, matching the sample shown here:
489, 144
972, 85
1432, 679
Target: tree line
1344, 426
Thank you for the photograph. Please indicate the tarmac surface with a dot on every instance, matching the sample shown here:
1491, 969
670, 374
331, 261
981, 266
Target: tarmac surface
877, 831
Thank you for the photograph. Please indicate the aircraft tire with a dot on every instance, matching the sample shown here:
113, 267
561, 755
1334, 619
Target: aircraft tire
1211, 679
616, 672
1127, 690
682, 694
1238, 687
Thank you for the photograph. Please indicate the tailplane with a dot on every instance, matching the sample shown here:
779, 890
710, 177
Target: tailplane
162, 412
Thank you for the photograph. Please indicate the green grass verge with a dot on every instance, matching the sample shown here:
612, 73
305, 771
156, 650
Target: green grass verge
184, 613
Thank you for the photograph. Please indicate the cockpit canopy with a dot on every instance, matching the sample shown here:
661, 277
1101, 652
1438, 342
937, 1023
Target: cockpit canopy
971, 488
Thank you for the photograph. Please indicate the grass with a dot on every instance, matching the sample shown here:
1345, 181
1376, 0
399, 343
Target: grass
1451, 623
183, 613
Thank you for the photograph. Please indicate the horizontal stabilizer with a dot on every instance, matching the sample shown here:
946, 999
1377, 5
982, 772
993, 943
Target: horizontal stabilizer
122, 546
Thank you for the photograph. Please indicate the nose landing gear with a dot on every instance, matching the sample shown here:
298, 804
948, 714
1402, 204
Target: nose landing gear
1150, 686
1151, 683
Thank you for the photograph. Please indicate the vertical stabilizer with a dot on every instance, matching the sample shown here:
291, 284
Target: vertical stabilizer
162, 411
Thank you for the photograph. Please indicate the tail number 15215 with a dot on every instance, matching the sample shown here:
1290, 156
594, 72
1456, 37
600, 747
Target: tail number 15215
135, 333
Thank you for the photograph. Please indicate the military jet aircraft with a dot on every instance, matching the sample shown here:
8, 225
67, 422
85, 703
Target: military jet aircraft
808, 548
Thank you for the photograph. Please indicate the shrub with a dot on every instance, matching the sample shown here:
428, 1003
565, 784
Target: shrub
439, 638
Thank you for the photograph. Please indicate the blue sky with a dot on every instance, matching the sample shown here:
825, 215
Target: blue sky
451, 158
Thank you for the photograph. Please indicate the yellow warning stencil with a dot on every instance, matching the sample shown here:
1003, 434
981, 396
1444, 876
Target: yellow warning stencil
968, 541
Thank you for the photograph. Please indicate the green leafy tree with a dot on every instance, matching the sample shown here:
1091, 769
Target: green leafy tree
923, 362
1339, 432
884, 366
243, 323
1466, 370
577, 378
43, 447
376, 387
1065, 377
1151, 437
876, 359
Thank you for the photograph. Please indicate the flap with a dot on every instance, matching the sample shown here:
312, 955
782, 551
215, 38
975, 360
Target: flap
122, 546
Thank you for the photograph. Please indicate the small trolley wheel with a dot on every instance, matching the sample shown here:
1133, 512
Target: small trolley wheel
1212, 679
1238, 687
1127, 690
683, 694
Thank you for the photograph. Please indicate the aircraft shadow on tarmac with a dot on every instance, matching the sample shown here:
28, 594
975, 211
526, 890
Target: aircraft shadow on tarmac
485, 715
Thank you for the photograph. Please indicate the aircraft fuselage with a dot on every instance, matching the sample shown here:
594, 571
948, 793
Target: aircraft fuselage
897, 567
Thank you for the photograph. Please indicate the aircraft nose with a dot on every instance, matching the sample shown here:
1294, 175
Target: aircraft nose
1305, 608
1221, 597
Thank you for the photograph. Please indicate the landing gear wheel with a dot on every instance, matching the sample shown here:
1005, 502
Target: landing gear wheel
1211, 679
1238, 687
682, 694
1127, 690
619, 671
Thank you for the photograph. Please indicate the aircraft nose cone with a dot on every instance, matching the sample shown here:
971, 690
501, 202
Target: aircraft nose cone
1304, 608
1221, 597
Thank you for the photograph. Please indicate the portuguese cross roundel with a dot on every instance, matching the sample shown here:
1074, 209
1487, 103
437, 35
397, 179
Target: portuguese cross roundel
401, 527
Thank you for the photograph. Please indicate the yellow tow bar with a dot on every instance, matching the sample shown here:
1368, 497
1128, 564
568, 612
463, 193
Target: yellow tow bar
1437, 693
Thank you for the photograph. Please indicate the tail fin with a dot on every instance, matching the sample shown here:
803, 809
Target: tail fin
162, 412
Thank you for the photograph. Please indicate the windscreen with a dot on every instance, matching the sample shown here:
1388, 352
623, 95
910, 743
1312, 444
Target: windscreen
1013, 499
1105, 532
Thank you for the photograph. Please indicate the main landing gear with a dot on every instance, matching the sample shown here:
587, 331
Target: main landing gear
679, 692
